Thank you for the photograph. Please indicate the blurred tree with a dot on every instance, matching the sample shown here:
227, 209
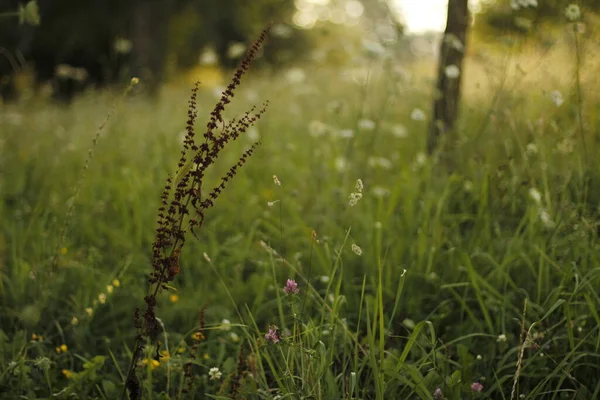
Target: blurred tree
452, 51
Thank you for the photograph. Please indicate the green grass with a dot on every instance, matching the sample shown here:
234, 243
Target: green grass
452, 246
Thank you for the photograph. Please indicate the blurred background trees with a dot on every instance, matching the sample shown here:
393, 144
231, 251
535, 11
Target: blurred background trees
99, 42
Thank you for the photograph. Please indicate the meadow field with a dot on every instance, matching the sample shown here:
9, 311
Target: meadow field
341, 261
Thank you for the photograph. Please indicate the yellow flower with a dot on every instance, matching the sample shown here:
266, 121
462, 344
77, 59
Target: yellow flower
102, 298
36, 338
110, 289
174, 298
74, 321
116, 283
63, 251
205, 356
89, 311
164, 354
67, 373
152, 362
135, 80
180, 349
198, 336
62, 348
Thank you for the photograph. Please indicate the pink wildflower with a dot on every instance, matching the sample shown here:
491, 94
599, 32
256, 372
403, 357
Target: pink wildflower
477, 387
438, 394
272, 336
291, 287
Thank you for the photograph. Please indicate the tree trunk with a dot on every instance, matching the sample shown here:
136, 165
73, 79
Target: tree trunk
452, 51
149, 37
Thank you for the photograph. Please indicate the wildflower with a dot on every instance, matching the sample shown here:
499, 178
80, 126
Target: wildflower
366, 124
354, 198
235, 50
438, 394
206, 356
62, 348
151, 362
316, 128
89, 311
399, 131
214, 373
174, 298
340, 164
63, 251
43, 363
271, 203
454, 42
479, 357
346, 133
535, 195
208, 57
452, 71
198, 336
276, 180
110, 288
324, 279
225, 325
135, 80
122, 45
356, 249
501, 338
234, 337
272, 336
116, 283
359, 185
295, 75
67, 373
532, 148
291, 287
573, 12
477, 387
36, 338
74, 320
164, 354
557, 98
180, 349
417, 115
102, 298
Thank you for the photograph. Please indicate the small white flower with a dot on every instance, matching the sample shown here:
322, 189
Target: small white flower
324, 279
535, 195
271, 203
452, 71
479, 357
573, 12
225, 324
235, 50
532, 149
359, 185
234, 337
208, 57
354, 198
276, 180
546, 219
295, 75
417, 115
340, 164
366, 124
356, 249
346, 133
399, 131
557, 98
253, 134
317, 128
214, 373
501, 338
